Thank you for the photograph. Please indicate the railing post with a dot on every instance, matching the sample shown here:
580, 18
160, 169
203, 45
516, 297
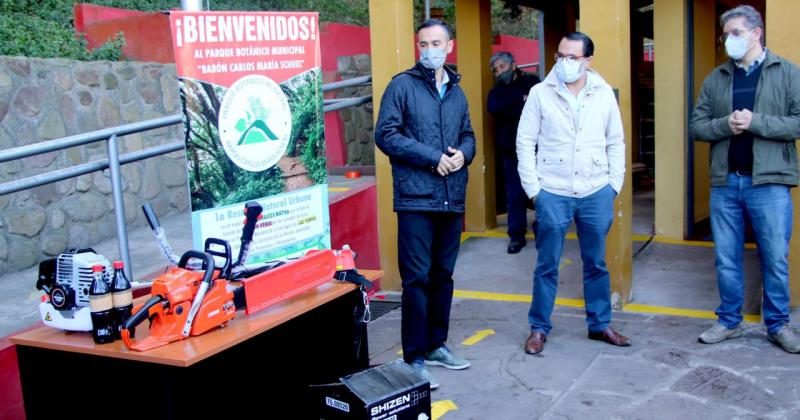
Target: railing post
119, 205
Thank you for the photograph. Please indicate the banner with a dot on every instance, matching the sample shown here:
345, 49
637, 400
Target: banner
251, 91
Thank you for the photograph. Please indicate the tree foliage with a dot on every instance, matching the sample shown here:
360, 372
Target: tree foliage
307, 139
213, 179
45, 28
507, 18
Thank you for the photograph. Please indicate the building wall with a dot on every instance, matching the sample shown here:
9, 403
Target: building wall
357, 126
783, 39
669, 33
44, 99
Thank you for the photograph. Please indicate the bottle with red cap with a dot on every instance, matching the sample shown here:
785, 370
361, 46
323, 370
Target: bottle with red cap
101, 307
122, 298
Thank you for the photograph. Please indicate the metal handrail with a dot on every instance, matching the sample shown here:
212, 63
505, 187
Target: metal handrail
85, 168
86, 138
115, 160
524, 66
353, 82
338, 104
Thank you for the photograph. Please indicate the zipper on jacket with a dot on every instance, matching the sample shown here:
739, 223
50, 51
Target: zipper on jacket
440, 98
444, 147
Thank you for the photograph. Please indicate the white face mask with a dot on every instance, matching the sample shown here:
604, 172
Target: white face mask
737, 46
569, 72
432, 58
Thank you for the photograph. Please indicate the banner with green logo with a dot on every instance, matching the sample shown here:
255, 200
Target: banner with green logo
251, 91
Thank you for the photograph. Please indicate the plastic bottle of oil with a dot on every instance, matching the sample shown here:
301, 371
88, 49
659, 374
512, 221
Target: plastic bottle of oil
101, 307
122, 298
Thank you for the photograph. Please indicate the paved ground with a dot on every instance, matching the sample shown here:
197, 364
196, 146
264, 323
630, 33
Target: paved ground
666, 374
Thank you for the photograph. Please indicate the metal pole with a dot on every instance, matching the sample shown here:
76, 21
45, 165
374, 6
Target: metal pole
689, 71
427, 9
119, 206
540, 35
192, 5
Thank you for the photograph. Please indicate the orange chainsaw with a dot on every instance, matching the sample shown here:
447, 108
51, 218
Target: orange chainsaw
184, 303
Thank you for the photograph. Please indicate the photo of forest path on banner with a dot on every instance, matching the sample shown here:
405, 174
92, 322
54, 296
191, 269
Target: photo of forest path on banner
251, 91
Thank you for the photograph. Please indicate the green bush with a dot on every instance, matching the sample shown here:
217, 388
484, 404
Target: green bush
44, 28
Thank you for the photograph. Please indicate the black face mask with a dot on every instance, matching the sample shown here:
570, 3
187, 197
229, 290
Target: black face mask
505, 77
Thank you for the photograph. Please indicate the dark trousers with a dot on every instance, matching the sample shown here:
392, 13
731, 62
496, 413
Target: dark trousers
516, 199
427, 248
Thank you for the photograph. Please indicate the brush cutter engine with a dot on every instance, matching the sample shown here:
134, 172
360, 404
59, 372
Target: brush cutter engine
66, 280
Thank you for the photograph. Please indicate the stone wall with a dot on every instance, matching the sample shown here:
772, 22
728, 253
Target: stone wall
358, 126
43, 99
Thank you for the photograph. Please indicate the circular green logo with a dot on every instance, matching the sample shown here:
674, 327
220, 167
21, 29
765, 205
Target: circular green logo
255, 123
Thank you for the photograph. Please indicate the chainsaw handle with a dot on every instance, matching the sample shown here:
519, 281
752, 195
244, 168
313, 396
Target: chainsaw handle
208, 263
151, 217
142, 314
252, 212
252, 209
225, 253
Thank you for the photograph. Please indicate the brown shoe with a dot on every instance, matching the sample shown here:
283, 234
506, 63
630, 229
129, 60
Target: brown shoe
535, 343
611, 337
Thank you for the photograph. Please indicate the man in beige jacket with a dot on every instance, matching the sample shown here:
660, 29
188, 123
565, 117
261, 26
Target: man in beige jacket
572, 164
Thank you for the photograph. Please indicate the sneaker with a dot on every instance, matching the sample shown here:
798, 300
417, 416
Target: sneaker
419, 366
444, 357
786, 338
516, 245
719, 333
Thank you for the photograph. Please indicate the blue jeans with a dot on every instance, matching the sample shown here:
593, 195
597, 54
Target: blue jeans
516, 200
593, 216
769, 208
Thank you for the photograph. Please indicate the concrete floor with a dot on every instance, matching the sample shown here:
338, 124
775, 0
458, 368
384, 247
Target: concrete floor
665, 374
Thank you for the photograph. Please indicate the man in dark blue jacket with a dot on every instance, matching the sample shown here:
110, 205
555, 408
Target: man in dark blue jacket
505, 104
424, 128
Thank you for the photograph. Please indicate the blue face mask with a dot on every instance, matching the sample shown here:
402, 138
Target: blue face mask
432, 58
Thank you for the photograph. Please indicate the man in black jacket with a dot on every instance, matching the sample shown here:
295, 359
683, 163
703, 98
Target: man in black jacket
424, 127
505, 104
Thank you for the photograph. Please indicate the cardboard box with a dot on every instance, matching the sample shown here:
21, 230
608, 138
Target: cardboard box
392, 391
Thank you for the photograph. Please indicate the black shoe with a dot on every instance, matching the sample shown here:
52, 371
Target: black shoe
516, 245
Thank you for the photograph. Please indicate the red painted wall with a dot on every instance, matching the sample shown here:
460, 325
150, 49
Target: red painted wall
147, 35
338, 40
11, 406
86, 14
354, 222
525, 51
